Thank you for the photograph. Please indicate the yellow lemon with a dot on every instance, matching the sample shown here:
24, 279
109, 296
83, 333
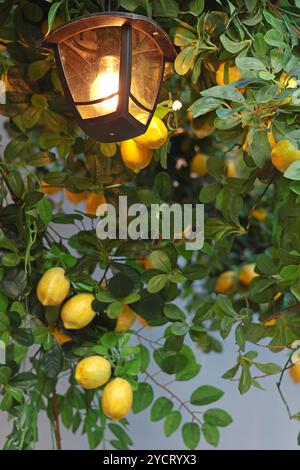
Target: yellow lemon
271, 322
60, 337
259, 214
93, 372
78, 311
231, 169
295, 373
53, 287
198, 164
117, 399
247, 274
233, 74
225, 282
286, 81
155, 136
284, 154
202, 127
75, 198
93, 202
146, 263
134, 156
48, 189
125, 320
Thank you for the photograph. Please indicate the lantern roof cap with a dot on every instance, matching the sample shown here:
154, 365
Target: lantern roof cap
107, 19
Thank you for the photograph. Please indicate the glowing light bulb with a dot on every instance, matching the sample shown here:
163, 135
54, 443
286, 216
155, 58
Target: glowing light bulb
106, 84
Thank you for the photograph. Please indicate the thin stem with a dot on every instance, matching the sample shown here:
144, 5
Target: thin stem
57, 423
280, 391
172, 394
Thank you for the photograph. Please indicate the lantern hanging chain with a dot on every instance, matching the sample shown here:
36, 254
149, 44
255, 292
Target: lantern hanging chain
108, 5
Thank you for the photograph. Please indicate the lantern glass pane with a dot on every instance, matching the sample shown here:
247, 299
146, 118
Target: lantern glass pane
91, 63
138, 113
147, 65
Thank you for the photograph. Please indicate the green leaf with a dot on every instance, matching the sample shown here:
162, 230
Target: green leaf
225, 92
5, 375
268, 368
41, 159
273, 37
120, 433
233, 46
245, 380
10, 259
211, 434
173, 312
195, 272
293, 171
204, 105
15, 183
3, 302
52, 362
172, 423
160, 261
209, 192
114, 309
205, 395
250, 63
142, 397
161, 408
52, 13
184, 60
45, 211
165, 8
179, 329
157, 283
196, 7
120, 285
163, 185
191, 435
217, 417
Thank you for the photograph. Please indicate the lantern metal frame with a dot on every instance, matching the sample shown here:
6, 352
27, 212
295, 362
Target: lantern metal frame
118, 125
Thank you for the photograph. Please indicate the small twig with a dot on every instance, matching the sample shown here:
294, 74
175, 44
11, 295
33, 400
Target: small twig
172, 394
286, 367
57, 423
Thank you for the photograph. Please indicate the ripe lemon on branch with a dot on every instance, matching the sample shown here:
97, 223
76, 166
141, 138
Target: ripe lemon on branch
233, 74
225, 282
284, 154
125, 320
247, 274
134, 156
75, 198
78, 312
198, 164
53, 287
93, 202
93, 372
155, 136
117, 399
60, 337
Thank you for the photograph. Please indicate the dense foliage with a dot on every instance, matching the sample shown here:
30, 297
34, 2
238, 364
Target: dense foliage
236, 75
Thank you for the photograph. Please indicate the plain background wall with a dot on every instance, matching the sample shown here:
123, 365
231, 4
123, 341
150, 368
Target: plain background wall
260, 419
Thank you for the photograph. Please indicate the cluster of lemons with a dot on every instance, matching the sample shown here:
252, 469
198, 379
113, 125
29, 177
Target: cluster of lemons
76, 313
92, 200
283, 152
227, 282
137, 153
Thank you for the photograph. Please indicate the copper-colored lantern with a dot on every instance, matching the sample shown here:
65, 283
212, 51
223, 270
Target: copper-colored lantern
111, 66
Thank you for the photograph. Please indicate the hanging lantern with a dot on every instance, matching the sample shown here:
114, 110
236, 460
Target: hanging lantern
111, 66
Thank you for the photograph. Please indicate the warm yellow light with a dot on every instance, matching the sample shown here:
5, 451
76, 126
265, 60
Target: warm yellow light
106, 84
